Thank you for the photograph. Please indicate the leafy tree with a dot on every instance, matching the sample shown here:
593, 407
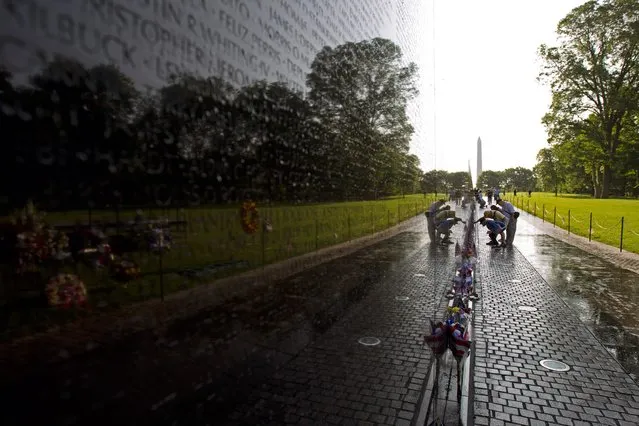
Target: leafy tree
490, 179
361, 90
435, 181
547, 170
73, 130
287, 146
460, 180
594, 77
519, 178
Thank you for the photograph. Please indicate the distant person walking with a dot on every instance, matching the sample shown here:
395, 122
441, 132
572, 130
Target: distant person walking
515, 193
529, 193
489, 196
433, 210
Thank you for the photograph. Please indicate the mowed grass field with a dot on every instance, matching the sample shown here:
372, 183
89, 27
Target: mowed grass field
606, 216
212, 244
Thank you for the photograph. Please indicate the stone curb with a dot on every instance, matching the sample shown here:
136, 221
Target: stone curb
72, 339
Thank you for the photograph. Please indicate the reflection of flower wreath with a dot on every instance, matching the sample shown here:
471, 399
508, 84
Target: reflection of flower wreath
125, 270
66, 290
250, 217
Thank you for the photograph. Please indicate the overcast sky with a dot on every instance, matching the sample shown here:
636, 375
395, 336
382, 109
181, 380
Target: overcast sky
485, 72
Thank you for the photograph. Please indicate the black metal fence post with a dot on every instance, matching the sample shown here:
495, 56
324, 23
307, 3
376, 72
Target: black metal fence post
590, 229
621, 237
161, 273
554, 218
543, 213
568, 222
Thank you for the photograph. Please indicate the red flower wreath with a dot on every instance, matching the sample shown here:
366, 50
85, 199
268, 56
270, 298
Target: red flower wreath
65, 291
250, 217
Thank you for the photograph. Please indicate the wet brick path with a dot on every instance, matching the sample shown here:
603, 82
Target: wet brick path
510, 387
283, 354
605, 297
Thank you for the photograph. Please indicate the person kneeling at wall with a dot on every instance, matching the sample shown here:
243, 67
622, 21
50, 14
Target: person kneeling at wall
495, 228
445, 222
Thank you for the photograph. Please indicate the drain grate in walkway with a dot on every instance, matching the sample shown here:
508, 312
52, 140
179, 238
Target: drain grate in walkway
369, 341
554, 365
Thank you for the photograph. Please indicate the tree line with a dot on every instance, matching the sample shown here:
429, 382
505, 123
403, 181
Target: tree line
516, 178
593, 120
75, 136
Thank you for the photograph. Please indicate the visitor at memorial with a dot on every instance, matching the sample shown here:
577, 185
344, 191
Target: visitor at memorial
444, 222
495, 228
508, 210
497, 216
435, 208
458, 196
489, 196
480, 199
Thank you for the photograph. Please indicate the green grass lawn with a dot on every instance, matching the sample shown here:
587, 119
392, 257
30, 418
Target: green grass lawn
213, 236
606, 216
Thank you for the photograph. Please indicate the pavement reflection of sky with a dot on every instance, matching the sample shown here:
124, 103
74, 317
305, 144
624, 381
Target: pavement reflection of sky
605, 298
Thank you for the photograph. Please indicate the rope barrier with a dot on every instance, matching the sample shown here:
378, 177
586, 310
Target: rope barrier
605, 229
561, 218
575, 218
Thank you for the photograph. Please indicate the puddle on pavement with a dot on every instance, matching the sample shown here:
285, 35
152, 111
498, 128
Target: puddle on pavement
605, 298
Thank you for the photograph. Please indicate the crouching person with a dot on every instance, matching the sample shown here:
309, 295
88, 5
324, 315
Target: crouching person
495, 228
444, 222
434, 209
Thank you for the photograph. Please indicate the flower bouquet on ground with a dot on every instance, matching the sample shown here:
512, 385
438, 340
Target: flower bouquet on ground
66, 291
125, 270
36, 242
97, 252
437, 340
459, 338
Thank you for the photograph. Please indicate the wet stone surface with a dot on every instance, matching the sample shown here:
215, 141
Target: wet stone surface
510, 386
605, 297
284, 354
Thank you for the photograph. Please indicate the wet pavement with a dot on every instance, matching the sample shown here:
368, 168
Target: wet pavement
510, 386
605, 297
284, 354
289, 353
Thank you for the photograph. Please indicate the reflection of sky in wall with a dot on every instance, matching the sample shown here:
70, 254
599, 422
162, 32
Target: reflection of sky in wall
242, 41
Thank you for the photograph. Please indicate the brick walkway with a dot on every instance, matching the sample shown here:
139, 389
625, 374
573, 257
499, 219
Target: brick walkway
625, 260
510, 387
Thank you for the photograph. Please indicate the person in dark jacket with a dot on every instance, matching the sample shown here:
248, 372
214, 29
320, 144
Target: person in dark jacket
495, 228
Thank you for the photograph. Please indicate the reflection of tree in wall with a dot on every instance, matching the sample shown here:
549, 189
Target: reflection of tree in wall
82, 134
361, 91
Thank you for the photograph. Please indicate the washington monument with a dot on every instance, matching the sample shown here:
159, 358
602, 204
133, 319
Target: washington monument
479, 167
